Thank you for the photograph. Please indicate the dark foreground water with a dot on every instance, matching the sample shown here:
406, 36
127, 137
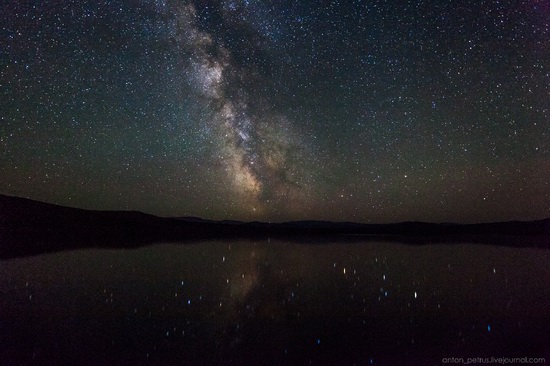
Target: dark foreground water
248, 303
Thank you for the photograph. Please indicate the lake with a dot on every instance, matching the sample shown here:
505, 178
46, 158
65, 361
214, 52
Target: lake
275, 302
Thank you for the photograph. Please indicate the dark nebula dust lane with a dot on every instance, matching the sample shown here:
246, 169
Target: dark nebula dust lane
370, 111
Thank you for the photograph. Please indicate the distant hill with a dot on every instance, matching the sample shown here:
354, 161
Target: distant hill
28, 226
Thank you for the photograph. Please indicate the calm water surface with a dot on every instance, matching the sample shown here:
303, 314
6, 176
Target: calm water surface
275, 303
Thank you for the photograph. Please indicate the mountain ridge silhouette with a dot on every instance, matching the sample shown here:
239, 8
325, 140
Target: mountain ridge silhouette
28, 226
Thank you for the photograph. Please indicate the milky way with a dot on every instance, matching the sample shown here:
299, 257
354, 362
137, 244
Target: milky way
254, 142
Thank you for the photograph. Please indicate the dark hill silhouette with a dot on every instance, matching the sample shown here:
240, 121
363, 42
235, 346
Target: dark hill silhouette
28, 226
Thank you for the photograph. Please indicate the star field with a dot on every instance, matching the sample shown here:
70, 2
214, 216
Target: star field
370, 111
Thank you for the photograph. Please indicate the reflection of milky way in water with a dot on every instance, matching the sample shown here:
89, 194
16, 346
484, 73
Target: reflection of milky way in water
246, 281
256, 143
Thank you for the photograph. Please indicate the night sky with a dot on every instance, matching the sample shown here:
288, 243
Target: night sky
368, 111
